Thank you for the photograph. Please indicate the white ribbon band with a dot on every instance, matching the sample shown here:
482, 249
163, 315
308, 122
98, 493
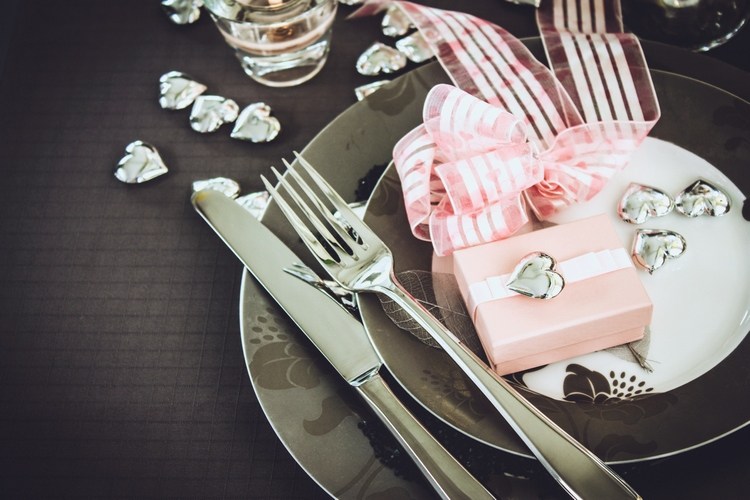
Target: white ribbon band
583, 267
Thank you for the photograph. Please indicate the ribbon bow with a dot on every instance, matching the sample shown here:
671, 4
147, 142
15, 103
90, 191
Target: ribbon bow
469, 171
521, 137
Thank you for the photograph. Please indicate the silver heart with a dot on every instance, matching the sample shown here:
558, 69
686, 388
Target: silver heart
380, 58
702, 198
415, 47
640, 203
255, 203
178, 90
229, 187
364, 90
535, 276
652, 247
212, 111
141, 163
255, 124
395, 22
182, 11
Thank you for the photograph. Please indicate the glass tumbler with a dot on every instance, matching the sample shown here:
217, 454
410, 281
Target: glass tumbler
279, 43
697, 25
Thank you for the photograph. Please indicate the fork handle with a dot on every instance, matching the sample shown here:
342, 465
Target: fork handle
447, 476
581, 473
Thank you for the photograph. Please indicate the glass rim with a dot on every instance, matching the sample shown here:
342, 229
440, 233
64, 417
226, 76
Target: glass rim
237, 12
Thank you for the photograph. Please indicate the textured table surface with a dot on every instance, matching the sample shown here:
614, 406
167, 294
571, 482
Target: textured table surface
121, 368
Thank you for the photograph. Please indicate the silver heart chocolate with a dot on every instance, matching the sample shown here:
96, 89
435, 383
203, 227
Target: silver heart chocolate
182, 11
178, 90
415, 47
395, 22
364, 90
255, 203
535, 276
639, 203
210, 112
255, 124
141, 163
701, 198
652, 247
229, 187
380, 58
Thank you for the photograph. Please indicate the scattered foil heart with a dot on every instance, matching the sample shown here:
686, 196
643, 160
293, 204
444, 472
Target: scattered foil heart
415, 47
229, 187
702, 198
395, 22
212, 111
255, 203
652, 247
178, 90
640, 203
141, 163
255, 124
364, 90
535, 276
380, 58
182, 11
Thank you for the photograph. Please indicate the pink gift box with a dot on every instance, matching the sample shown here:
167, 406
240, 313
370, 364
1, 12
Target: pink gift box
595, 313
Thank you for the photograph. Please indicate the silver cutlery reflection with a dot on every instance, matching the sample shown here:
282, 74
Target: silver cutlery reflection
337, 334
330, 287
359, 261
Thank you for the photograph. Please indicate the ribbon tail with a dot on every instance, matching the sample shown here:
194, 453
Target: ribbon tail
414, 156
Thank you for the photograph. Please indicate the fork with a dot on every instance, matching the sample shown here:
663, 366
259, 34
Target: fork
358, 260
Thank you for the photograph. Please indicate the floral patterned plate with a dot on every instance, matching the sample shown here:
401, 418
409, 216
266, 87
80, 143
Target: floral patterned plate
314, 413
701, 303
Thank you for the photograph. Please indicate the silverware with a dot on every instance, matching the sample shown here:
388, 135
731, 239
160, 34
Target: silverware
331, 288
338, 336
359, 261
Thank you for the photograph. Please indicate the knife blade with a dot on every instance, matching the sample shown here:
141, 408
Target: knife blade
337, 335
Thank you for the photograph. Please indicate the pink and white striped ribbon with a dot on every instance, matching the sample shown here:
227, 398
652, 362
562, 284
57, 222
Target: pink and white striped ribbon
540, 139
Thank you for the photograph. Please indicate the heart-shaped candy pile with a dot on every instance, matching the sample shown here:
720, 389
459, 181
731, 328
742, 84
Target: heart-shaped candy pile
652, 247
141, 163
702, 198
255, 124
535, 276
639, 203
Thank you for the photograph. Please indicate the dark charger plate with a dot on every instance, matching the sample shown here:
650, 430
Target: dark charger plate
318, 419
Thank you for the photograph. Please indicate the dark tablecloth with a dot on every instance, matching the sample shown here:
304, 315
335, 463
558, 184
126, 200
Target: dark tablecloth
121, 368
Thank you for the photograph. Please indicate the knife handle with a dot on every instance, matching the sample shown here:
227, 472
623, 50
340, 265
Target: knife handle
449, 478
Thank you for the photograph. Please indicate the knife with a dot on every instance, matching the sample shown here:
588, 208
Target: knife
337, 334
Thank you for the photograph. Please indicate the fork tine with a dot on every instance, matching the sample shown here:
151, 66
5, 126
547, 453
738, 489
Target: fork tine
302, 230
344, 232
351, 218
312, 217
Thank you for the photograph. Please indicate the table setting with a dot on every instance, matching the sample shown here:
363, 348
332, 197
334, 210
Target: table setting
153, 148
